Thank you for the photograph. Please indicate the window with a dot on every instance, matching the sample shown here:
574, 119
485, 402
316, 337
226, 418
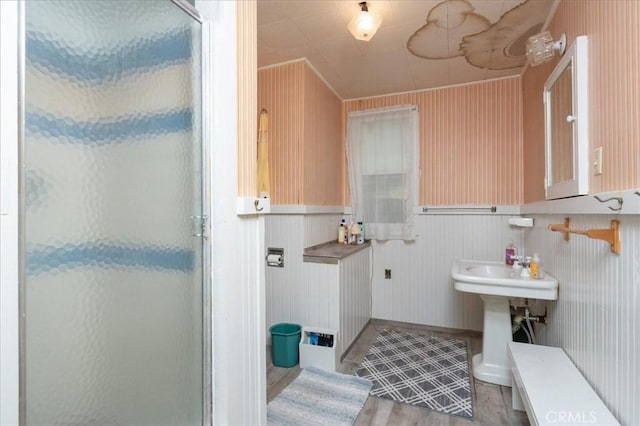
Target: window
382, 153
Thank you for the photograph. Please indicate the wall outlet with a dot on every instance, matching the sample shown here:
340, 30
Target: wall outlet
597, 161
387, 274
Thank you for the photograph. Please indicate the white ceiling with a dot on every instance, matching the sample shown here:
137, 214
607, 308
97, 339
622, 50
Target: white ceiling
495, 31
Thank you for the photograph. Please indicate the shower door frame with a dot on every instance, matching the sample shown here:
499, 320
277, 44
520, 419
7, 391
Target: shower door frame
10, 28
205, 164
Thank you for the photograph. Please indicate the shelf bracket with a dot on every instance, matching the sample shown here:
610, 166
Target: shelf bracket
611, 235
563, 228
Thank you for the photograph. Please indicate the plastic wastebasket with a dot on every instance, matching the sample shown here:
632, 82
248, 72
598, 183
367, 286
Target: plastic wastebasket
285, 338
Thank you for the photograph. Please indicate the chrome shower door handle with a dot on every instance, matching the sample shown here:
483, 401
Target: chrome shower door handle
200, 225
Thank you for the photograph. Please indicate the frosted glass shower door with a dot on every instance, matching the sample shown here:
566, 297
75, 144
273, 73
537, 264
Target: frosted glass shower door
113, 278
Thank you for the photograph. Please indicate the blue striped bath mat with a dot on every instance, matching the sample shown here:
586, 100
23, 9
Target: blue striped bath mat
318, 397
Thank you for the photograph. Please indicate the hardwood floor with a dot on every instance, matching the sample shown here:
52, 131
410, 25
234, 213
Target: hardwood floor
491, 403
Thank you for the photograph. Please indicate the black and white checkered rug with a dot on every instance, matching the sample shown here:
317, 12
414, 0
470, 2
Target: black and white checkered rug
427, 371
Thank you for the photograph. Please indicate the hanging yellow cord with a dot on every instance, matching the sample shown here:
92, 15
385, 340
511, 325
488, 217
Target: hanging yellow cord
264, 187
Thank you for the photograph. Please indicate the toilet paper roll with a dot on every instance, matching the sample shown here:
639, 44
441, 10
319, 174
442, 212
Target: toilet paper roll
274, 259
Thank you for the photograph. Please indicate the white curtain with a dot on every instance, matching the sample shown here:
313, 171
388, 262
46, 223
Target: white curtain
382, 156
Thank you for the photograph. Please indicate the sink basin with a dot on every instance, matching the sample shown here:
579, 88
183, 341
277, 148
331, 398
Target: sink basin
498, 279
491, 271
496, 283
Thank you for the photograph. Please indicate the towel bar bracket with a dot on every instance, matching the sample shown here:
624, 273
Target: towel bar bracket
610, 235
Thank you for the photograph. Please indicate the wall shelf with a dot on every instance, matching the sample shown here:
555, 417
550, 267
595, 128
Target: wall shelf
610, 235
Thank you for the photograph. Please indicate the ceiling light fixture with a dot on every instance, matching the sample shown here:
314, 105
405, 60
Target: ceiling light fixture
365, 24
541, 48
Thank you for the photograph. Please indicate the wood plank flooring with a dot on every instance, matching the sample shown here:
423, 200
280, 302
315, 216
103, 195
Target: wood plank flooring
491, 403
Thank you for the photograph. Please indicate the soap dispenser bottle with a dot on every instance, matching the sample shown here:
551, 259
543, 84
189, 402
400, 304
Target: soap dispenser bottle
509, 253
534, 266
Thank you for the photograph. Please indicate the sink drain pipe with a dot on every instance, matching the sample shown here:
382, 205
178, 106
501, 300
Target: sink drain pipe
527, 318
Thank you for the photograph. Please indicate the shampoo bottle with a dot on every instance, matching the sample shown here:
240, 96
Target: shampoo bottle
509, 253
341, 235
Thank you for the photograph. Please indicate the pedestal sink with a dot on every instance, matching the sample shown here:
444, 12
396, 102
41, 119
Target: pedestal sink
496, 283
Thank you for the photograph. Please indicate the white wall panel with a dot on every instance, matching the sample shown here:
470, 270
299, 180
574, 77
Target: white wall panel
239, 359
322, 297
355, 297
320, 228
285, 287
593, 319
9, 212
420, 289
336, 297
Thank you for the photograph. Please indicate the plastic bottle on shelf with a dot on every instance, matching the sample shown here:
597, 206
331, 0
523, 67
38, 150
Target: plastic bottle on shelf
354, 230
341, 235
361, 234
345, 226
509, 253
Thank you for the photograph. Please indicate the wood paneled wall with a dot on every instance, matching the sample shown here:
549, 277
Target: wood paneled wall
306, 153
614, 93
324, 153
281, 93
470, 141
247, 16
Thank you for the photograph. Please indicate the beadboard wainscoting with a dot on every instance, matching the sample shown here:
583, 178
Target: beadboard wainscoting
289, 289
312, 294
420, 290
320, 228
284, 287
594, 319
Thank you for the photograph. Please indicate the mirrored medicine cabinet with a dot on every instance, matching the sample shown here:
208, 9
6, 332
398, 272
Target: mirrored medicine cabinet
566, 117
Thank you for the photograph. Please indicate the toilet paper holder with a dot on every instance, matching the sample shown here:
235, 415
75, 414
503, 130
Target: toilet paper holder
275, 257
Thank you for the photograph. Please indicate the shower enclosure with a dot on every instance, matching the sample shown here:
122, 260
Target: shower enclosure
114, 295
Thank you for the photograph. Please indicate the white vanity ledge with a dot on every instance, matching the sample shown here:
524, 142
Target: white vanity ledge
587, 204
331, 252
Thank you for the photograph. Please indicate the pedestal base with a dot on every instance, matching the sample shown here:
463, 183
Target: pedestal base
490, 373
492, 365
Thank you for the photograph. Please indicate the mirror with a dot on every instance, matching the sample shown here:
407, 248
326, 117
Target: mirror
566, 125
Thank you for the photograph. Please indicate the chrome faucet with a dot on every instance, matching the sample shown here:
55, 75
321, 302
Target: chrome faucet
523, 263
519, 260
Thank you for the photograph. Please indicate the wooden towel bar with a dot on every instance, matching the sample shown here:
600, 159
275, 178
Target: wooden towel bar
611, 235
